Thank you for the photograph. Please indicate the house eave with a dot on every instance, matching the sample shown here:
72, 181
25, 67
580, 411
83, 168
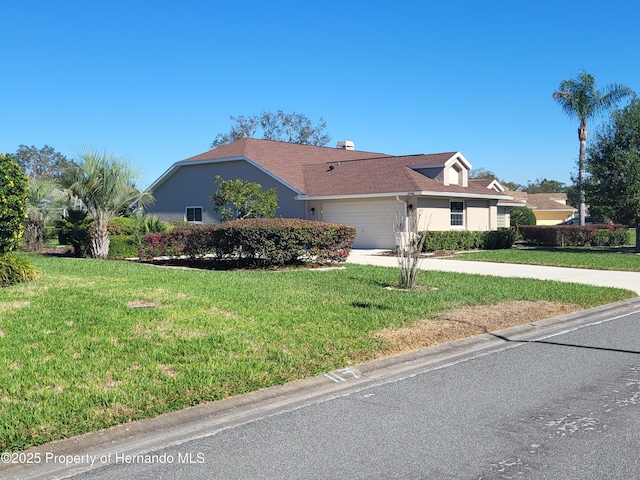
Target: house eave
403, 194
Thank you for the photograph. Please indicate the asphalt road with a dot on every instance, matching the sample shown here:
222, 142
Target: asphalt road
558, 399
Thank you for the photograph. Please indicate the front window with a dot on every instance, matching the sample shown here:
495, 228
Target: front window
193, 214
457, 214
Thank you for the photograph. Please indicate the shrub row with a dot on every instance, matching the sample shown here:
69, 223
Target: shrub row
468, 240
265, 241
576, 235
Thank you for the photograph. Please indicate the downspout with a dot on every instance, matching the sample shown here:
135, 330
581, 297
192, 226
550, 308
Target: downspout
406, 213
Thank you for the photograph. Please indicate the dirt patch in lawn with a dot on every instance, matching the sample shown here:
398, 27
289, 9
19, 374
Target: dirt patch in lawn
469, 321
143, 304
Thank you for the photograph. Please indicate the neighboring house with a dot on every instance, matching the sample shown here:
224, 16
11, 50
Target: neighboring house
370, 191
549, 208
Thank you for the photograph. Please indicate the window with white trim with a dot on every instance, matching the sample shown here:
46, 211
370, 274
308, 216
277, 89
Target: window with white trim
457, 214
193, 214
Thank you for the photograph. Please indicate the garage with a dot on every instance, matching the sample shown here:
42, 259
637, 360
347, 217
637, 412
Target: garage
373, 219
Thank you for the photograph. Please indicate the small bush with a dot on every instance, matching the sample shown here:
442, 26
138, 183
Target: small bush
501, 239
15, 269
265, 241
619, 237
122, 226
468, 240
520, 216
74, 230
122, 246
600, 238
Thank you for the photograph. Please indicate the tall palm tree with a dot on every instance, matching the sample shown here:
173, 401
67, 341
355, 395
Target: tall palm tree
579, 98
105, 184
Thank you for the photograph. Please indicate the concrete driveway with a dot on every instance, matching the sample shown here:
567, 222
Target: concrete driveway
601, 278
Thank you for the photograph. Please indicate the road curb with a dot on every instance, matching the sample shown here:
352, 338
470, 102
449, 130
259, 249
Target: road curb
207, 419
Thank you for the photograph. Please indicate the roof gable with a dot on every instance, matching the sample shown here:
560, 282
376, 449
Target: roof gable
326, 171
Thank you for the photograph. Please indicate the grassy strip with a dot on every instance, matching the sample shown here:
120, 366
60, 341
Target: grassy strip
77, 353
598, 258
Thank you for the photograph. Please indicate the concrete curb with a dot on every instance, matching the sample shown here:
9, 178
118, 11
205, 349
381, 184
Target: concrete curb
207, 419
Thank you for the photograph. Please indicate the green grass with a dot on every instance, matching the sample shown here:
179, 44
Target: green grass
76, 357
599, 258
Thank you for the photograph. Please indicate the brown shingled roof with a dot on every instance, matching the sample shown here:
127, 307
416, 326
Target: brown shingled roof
543, 201
380, 175
319, 171
284, 160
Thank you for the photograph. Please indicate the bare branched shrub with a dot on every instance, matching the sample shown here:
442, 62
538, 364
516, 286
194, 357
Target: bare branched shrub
409, 249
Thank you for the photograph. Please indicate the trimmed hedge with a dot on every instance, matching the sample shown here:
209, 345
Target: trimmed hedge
468, 240
264, 241
122, 226
122, 246
576, 235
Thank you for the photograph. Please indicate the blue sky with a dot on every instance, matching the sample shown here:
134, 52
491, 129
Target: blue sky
157, 81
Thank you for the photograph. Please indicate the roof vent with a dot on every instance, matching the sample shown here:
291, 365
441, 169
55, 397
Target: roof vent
346, 145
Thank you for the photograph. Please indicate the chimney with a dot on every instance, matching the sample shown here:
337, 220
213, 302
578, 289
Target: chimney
346, 145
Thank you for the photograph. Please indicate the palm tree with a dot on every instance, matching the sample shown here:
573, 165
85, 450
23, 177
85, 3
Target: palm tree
105, 184
39, 205
579, 98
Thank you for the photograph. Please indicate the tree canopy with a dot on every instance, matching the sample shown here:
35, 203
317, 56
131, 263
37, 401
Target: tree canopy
40, 163
613, 165
544, 185
579, 98
242, 199
286, 127
483, 173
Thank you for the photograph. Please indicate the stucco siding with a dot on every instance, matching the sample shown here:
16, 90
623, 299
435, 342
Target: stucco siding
434, 214
478, 215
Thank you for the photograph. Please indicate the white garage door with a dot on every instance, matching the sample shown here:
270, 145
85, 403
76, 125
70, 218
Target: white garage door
373, 220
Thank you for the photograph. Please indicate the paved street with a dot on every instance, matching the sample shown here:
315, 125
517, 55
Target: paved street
557, 399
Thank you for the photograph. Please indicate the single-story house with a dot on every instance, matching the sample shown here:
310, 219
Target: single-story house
548, 208
370, 191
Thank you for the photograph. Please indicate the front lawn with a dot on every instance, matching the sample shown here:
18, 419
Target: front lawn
95, 343
598, 258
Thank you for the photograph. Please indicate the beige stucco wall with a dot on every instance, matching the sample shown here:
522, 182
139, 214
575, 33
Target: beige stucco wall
479, 214
434, 213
